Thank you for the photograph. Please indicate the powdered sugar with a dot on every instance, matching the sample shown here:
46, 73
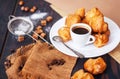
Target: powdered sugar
19, 32
22, 28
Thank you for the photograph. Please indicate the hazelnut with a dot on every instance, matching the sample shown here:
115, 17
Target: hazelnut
34, 7
32, 10
39, 31
38, 27
43, 22
26, 9
43, 35
35, 36
20, 38
49, 18
22, 8
21, 3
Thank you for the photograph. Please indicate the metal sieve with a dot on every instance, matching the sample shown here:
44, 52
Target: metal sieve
22, 26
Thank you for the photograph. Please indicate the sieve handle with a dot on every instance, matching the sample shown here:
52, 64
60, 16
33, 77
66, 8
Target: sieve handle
31, 37
11, 16
42, 38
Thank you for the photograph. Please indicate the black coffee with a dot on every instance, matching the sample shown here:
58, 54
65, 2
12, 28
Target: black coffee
80, 30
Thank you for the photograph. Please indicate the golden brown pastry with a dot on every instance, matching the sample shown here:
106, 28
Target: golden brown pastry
72, 19
80, 12
80, 74
96, 24
95, 66
105, 27
96, 20
101, 39
92, 13
64, 32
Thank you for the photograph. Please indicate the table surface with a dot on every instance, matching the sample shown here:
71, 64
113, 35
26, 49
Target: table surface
9, 41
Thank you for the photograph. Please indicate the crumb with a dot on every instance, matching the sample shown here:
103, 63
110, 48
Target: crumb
34, 7
21, 3
35, 36
39, 31
32, 10
22, 8
49, 18
26, 9
43, 22
20, 38
43, 35
38, 27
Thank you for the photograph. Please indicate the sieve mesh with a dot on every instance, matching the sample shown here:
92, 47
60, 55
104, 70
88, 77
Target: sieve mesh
20, 27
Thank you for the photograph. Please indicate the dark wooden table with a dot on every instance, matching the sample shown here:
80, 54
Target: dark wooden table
9, 41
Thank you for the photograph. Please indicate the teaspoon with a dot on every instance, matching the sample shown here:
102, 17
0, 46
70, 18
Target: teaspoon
59, 39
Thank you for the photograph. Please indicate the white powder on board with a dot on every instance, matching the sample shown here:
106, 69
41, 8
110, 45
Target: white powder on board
38, 15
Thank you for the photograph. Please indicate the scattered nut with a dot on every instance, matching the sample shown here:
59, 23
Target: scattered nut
22, 8
21, 3
43, 35
26, 9
35, 36
38, 27
34, 7
49, 18
43, 22
39, 31
32, 10
20, 38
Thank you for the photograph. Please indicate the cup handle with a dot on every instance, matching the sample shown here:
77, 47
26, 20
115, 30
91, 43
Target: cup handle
90, 40
11, 16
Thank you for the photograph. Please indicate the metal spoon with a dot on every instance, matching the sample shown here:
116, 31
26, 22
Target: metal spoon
59, 39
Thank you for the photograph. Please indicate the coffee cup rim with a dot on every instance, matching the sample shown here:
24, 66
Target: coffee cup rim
81, 25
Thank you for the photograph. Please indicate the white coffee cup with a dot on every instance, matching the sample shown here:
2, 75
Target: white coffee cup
81, 34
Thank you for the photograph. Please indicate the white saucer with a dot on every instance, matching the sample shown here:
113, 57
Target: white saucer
90, 50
